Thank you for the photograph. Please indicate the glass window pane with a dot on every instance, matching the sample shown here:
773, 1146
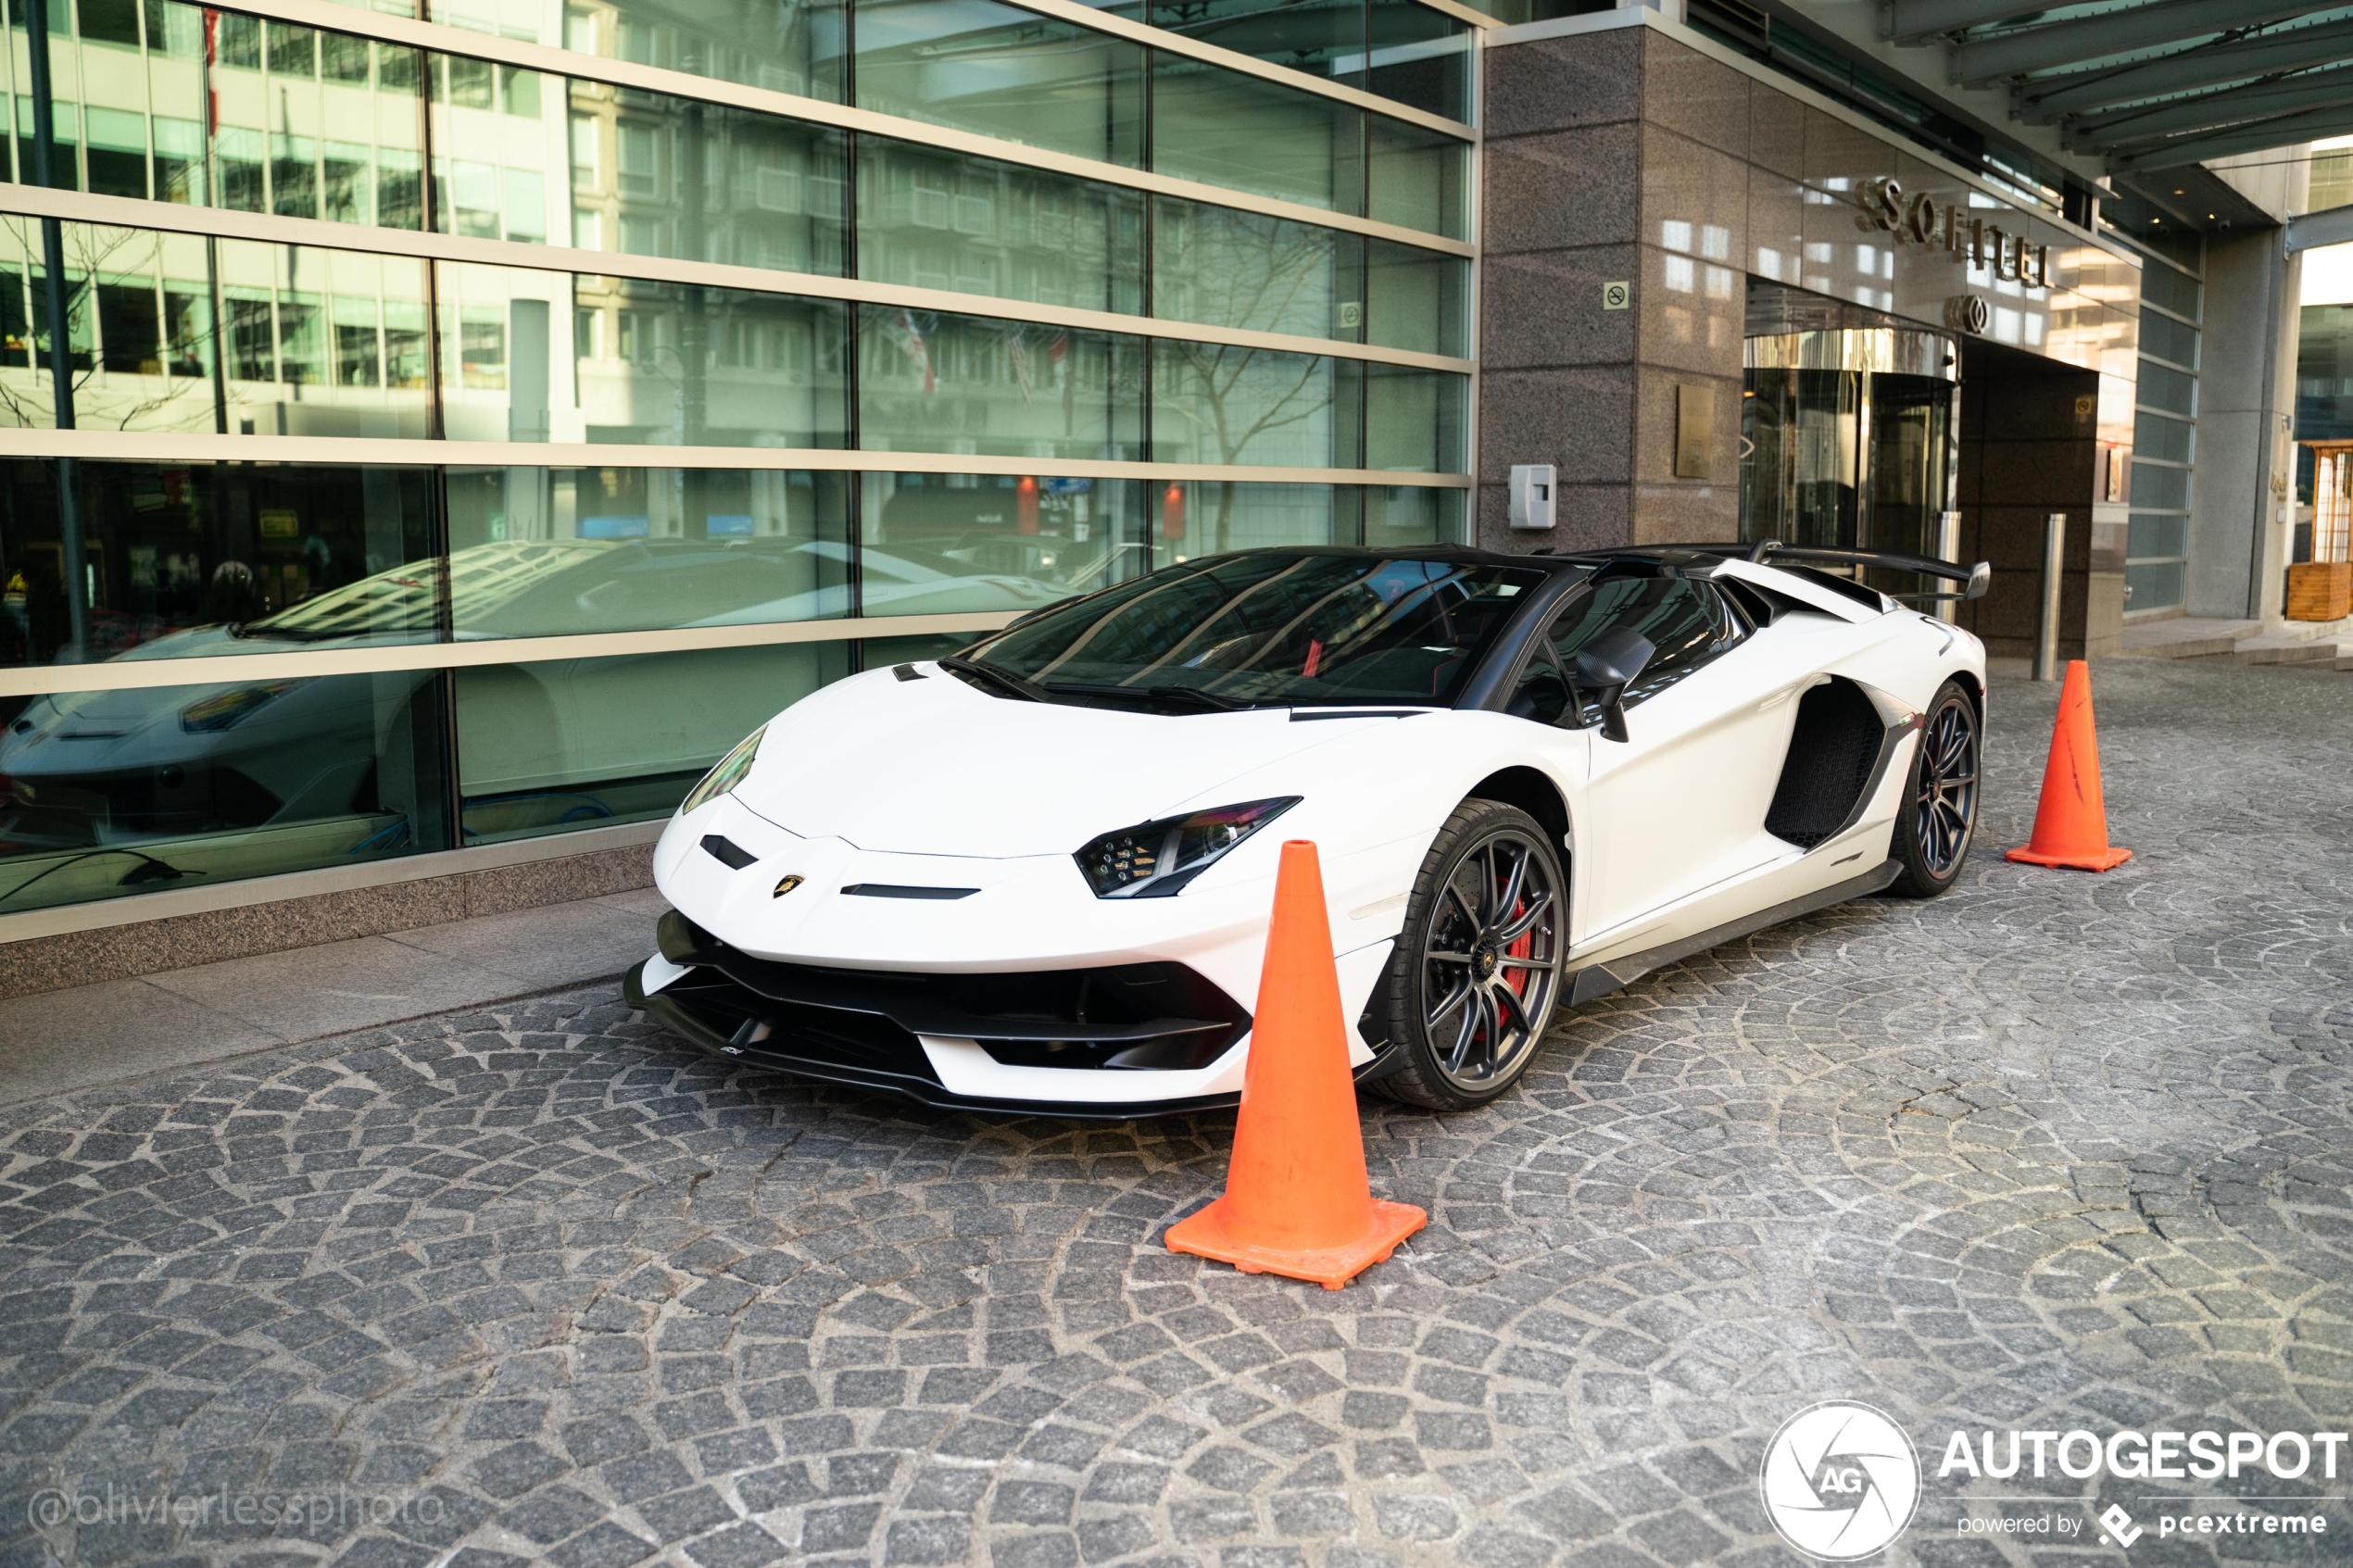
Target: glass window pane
292, 51
196, 786
116, 148
941, 221
297, 144
1414, 419
2165, 338
2153, 435
538, 552
930, 383
1209, 517
182, 559
932, 544
2168, 389
549, 357
2156, 535
102, 21
179, 160
997, 71
277, 335
2164, 489
1323, 38
1214, 403
1419, 56
786, 46
129, 327
1249, 135
2176, 292
1419, 178
1413, 515
2156, 585
566, 744
526, 355
239, 42
651, 175
1229, 269
1417, 299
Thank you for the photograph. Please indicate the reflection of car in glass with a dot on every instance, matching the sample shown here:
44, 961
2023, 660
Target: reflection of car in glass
326, 763
891, 584
1038, 875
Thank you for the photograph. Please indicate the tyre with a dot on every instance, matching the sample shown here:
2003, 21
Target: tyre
1477, 970
1939, 814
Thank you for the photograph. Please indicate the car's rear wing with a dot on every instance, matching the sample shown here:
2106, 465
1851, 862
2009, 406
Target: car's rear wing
1975, 579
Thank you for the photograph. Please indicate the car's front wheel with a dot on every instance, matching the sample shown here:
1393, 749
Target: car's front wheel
1473, 980
1939, 815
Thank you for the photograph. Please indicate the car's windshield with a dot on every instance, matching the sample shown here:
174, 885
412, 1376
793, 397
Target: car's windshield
1268, 628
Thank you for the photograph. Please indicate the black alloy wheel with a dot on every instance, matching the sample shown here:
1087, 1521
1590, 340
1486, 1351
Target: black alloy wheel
1939, 815
1477, 970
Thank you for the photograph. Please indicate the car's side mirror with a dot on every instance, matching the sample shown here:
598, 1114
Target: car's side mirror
1612, 662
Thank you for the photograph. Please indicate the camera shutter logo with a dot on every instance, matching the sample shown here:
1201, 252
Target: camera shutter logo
1841, 1481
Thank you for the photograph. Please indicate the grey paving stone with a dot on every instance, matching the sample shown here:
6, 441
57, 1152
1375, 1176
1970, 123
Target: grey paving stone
2055, 1151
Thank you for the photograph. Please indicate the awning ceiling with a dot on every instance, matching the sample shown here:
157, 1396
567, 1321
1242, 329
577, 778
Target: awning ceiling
2148, 84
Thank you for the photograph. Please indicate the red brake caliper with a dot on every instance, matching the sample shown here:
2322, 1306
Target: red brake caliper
1522, 946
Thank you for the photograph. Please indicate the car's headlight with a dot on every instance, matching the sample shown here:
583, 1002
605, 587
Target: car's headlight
728, 775
1154, 859
222, 709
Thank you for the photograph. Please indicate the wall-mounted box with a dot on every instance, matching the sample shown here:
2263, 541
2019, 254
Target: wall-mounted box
1532, 485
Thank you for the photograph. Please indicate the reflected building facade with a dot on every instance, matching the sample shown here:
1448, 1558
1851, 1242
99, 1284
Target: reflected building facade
433, 436
600, 377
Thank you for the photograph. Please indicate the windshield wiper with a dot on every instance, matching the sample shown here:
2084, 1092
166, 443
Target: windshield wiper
1192, 696
1197, 696
983, 675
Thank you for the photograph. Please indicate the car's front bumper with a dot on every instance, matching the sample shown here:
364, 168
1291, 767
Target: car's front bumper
1030, 917
719, 1016
1115, 1043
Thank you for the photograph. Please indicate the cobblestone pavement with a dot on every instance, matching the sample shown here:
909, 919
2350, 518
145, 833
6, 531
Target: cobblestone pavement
2055, 1151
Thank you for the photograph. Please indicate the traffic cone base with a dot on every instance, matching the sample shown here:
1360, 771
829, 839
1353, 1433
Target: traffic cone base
1296, 1201
2070, 820
1204, 1235
2105, 861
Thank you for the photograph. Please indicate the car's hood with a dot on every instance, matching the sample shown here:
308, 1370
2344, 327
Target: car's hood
935, 767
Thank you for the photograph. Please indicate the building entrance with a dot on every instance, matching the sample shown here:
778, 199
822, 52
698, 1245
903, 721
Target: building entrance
1850, 426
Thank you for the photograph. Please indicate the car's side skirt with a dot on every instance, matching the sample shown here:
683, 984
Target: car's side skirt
1600, 980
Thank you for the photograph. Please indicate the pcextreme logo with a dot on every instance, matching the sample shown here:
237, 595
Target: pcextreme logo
1841, 1481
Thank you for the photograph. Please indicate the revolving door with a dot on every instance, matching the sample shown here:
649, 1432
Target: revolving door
1850, 436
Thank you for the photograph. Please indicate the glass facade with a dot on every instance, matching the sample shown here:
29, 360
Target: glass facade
422, 352
2165, 429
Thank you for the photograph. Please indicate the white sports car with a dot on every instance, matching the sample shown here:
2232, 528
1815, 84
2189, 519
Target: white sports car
1036, 876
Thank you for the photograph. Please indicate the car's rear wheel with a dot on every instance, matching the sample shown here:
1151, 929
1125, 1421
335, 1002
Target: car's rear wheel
1939, 817
1477, 970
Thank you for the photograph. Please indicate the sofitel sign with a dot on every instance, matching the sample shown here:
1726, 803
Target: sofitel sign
1968, 239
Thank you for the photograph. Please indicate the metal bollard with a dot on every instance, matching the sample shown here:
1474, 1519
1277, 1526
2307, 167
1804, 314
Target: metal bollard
1948, 547
2046, 659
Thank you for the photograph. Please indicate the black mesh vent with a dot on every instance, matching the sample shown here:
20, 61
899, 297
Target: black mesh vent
1831, 751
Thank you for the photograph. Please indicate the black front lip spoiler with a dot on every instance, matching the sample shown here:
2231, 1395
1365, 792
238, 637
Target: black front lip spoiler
677, 1020
703, 1037
683, 943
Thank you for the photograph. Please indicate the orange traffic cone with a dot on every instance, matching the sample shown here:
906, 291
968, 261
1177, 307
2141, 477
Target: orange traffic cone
2070, 822
1296, 1201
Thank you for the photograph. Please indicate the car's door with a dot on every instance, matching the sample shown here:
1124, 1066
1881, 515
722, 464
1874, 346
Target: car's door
1680, 806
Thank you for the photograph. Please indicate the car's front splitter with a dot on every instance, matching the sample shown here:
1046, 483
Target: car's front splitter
808, 1059
716, 1029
